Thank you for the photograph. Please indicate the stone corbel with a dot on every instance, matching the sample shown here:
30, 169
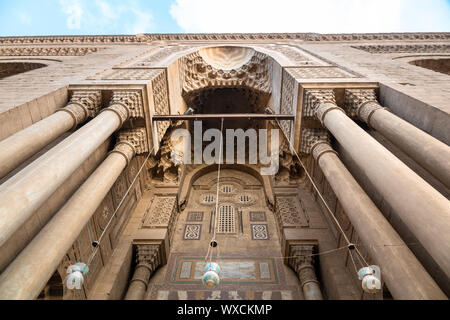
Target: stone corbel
83, 104
362, 103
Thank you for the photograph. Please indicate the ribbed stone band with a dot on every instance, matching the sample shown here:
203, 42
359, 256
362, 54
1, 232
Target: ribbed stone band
321, 148
324, 108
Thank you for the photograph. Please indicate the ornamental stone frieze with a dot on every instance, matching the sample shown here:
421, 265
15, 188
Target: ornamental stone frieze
422, 48
60, 51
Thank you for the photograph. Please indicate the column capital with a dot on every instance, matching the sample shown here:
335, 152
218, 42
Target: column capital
125, 149
131, 100
136, 137
148, 256
312, 136
83, 104
313, 98
361, 103
302, 262
321, 148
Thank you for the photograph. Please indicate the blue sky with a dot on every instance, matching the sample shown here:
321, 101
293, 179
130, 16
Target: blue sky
84, 17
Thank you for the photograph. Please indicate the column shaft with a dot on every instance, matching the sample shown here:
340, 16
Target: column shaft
430, 153
405, 277
25, 143
139, 283
148, 259
26, 191
309, 283
302, 261
29, 272
424, 210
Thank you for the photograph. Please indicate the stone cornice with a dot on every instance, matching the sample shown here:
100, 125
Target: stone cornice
147, 38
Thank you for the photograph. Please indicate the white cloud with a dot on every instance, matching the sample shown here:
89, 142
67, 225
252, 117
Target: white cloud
144, 22
74, 11
107, 16
108, 12
322, 16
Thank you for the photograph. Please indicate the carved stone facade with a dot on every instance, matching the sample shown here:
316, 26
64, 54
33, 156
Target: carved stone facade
152, 224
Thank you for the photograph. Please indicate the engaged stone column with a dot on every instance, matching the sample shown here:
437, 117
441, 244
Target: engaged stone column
29, 272
303, 265
421, 208
148, 259
23, 144
25, 192
404, 275
430, 153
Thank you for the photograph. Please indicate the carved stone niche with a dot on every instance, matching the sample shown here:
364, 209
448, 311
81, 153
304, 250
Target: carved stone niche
161, 166
225, 67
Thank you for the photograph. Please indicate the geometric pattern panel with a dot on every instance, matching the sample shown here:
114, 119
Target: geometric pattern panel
291, 211
195, 217
258, 216
189, 270
192, 232
260, 232
160, 212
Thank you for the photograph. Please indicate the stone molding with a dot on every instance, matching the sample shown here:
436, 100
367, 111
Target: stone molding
146, 38
410, 48
136, 137
60, 51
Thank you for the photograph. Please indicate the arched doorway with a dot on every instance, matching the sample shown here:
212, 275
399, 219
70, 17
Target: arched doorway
249, 250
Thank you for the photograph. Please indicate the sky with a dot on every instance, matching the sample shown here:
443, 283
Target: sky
98, 17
